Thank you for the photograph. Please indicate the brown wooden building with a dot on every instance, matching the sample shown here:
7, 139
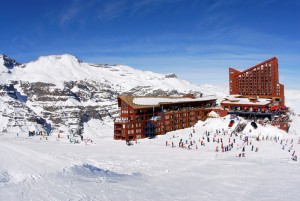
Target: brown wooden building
261, 80
142, 117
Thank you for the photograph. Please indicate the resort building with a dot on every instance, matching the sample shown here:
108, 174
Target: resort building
261, 80
142, 117
256, 93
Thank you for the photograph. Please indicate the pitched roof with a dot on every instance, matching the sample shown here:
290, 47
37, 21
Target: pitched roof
257, 65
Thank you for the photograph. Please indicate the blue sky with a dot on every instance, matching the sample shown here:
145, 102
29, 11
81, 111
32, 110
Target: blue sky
196, 39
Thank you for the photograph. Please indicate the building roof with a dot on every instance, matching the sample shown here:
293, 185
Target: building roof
137, 102
240, 100
257, 65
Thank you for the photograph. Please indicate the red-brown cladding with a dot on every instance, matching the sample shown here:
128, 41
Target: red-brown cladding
138, 121
261, 80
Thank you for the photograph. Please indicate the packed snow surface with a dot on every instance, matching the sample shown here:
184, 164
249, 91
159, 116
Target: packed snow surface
245, 101
157, 100
100, 168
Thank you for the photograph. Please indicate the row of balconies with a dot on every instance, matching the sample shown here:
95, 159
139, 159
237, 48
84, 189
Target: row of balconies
254, 90
256, 85
257, 74
124, 133
129, 126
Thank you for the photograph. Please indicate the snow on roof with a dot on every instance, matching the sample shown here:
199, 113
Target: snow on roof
159, 100
246, 101
213, 114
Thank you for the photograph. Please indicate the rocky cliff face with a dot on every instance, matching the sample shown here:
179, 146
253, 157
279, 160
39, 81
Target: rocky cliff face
28, 103
8, 62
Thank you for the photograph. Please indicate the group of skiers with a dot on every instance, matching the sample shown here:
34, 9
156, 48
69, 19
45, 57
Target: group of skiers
207, 137
34, 133
285, 143
225, 142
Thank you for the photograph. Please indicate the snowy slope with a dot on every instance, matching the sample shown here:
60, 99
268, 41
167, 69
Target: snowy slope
34, 168
100, 168
59, 68
293, 100
58, 86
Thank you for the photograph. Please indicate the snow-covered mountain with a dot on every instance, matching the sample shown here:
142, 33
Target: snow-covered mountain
67, 94
60, 92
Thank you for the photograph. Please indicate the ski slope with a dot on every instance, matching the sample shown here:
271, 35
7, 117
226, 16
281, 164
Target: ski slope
36, 168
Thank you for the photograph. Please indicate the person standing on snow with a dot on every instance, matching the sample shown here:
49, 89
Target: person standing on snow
217, 149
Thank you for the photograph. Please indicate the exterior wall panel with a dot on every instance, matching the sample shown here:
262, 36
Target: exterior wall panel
261, 80
136, 123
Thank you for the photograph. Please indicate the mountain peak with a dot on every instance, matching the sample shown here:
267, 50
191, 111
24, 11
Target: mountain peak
59, 58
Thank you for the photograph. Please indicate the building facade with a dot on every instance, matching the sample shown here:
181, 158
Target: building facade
142, 117
261, 80
256, 93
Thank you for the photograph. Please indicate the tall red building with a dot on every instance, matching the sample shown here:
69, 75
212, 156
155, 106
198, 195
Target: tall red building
260, 81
